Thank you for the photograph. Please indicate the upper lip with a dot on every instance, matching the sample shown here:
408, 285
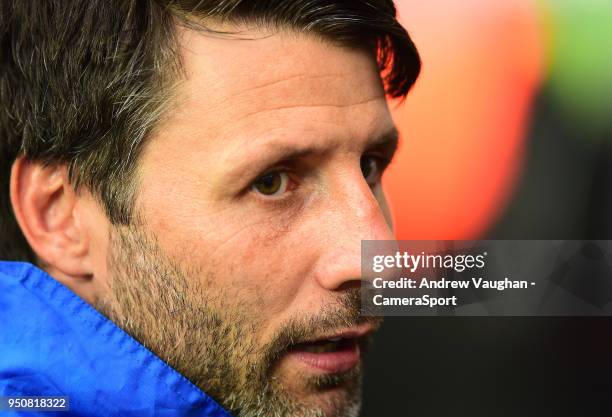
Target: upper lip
355, 332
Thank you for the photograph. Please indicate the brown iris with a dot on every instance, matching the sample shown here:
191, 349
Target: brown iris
269, 184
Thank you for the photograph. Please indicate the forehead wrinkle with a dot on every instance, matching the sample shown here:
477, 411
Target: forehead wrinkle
305, 106
250, 92
292, 78
299, 87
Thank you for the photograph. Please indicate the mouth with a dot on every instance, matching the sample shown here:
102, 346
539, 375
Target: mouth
335, 353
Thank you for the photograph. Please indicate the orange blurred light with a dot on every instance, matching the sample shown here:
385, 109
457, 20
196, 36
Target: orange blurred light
463, 126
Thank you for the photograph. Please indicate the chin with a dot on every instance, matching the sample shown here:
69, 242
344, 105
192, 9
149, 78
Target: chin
337, 402
317, 394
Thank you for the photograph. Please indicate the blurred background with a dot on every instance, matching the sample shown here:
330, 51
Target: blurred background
506, 135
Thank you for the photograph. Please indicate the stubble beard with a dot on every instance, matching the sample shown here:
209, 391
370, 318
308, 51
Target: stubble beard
210, 337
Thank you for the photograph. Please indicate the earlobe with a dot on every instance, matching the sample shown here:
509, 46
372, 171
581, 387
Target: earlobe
44, 204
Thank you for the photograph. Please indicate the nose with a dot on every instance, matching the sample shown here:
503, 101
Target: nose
354, 215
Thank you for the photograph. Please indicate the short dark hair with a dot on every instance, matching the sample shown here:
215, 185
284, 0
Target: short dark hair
83, 82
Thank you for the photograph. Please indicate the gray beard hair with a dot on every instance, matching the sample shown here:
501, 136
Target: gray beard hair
188, 324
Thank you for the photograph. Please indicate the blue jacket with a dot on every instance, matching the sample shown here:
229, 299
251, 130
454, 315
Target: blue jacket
52, 343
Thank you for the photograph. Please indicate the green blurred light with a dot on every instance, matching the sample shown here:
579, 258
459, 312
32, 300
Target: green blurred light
581, 60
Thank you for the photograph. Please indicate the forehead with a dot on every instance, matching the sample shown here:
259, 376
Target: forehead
269, 70
260, 88
257, 65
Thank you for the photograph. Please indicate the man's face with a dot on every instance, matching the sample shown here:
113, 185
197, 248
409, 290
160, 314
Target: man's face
243, 267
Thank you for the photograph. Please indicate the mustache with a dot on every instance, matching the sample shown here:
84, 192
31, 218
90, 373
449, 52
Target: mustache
341, 313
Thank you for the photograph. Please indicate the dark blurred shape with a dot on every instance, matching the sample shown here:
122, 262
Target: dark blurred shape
441, 366
565, 190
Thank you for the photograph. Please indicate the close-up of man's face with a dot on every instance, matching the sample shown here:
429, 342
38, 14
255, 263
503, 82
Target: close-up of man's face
203, 174
254, 195
275, 208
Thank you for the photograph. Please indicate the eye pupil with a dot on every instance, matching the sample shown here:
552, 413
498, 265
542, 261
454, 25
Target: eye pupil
269, 184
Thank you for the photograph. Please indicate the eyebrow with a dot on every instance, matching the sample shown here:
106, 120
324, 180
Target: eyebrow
389, 141
277, 152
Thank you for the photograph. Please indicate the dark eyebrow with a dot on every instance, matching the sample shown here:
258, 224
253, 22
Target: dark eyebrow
388, 141
277, 153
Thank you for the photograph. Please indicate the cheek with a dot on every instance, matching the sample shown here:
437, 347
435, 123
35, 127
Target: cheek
269, 272
258, 265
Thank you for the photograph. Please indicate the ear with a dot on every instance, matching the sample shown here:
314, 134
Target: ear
45, 206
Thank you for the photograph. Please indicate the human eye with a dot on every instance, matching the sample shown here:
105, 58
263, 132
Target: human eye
273, 184
372, 168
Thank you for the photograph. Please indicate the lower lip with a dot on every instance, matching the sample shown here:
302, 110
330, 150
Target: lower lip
330, 362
